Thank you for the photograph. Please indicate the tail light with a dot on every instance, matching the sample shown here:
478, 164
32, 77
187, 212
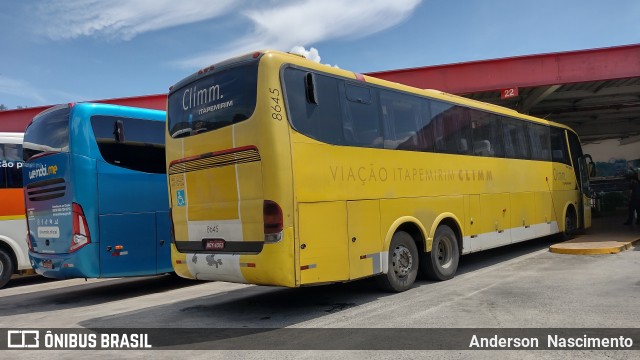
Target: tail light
29, 244
272, 214
80, 236
28, 238
173, 231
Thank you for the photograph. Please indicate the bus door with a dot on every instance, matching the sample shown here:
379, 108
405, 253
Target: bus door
585, 194
582, 169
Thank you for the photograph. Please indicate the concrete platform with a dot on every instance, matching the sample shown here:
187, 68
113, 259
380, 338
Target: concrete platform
607, 235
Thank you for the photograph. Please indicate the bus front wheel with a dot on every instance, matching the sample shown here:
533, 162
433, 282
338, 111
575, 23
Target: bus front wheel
441, 262
6, 268
403, 264
569, 225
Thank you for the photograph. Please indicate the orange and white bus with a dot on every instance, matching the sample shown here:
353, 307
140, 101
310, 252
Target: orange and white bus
13, 227
283, 171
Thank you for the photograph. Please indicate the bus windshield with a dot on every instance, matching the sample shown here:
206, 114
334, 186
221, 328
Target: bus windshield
48, 133
213, 100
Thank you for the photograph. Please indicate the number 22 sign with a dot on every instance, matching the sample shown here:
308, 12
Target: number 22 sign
508, 93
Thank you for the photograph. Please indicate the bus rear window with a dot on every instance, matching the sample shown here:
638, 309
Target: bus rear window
48, 133
135, 144
216, 100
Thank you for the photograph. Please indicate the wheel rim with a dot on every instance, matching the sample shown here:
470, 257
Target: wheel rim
402, 261
444, 252
1, 268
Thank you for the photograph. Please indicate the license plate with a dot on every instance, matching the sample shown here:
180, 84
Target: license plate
47, 264
214, 244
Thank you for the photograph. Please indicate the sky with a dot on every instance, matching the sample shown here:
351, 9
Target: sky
59, 51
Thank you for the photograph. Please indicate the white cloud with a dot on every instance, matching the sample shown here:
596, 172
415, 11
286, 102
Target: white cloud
276, 24
315, 20
282, 25
311, 54
122, 19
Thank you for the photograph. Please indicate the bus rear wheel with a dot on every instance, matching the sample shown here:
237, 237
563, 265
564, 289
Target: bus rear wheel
403, 264
6, 268
441, 262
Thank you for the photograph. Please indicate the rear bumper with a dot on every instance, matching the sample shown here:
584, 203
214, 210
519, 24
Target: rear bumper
82, 263
273, 265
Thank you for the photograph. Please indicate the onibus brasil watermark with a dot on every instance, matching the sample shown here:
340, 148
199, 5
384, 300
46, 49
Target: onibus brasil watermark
37, 339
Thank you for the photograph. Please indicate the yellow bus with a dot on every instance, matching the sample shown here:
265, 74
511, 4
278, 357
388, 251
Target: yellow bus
286, 172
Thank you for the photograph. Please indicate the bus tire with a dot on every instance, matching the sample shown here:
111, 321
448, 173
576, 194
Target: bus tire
441, 262
403, 264
6, 268
570, 225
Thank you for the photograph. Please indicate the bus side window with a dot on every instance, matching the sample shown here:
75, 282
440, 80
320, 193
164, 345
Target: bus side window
559, 151
14, 176
539, 137
360, 119
509, 141
143, 149
485, 129
11, 172
320, 120
3, 171
515, 140
401, 114
451, 128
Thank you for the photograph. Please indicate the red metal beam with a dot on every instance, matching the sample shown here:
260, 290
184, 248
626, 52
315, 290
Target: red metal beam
17, 120
157, 102
523, 71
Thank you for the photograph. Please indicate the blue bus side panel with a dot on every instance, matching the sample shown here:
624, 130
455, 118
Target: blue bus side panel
128, 203
163, 233
126, 191
135, 234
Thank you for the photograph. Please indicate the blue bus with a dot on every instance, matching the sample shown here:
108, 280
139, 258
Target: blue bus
95, 190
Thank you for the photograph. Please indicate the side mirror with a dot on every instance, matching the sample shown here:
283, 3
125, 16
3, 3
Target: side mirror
591, 166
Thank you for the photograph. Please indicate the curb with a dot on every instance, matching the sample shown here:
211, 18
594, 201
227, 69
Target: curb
575, 250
